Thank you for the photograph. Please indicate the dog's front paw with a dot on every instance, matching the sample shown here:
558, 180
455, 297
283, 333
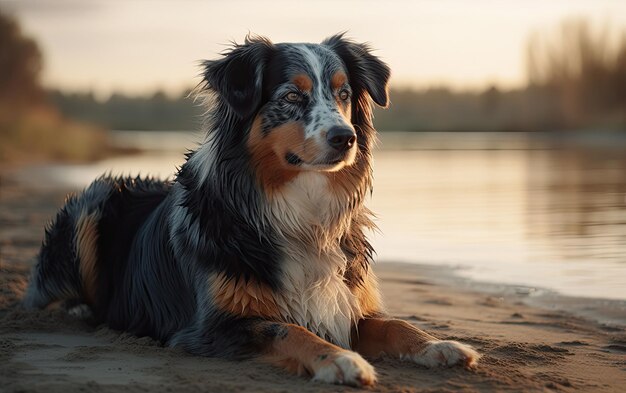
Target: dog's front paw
344, 367
445, 354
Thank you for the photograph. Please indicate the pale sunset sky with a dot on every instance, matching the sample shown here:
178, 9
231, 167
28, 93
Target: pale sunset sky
137, 46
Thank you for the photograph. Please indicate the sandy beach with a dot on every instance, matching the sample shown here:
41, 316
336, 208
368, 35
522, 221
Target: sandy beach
524, 347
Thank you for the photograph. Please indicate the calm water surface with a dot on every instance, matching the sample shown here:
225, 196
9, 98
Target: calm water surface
502, 207
554, 219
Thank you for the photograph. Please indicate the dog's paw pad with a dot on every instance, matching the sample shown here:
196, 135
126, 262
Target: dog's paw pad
446, 354
346, 368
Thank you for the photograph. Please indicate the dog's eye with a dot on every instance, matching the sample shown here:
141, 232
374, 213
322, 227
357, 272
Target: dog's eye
293, 97
344, 95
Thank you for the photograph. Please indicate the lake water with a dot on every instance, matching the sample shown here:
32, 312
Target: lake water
523, 209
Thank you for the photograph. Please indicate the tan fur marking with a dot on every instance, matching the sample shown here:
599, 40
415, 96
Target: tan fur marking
271, 170
292, 366
268, 153
392, 337
243, 298
338, 80
301, 351
402, 340
368, 296
86, 244
346, 110
303, 82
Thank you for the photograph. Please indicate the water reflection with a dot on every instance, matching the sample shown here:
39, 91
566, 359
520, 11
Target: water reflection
554, 218
584, 198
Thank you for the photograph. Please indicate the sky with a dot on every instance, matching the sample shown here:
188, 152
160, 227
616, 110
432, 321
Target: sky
138, 46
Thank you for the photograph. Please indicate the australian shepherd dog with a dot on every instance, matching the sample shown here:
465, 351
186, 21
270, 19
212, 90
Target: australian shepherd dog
257, 248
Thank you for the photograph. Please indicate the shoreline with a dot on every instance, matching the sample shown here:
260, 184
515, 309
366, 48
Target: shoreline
605, 311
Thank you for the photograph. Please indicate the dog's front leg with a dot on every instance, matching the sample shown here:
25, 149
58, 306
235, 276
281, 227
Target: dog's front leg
400, 339
298, 350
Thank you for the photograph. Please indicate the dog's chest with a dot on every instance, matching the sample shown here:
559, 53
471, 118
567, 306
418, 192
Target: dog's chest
307, 208
317, 298
313, 294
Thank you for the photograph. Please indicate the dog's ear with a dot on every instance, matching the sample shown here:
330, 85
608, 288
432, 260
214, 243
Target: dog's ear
366, 71
238, 76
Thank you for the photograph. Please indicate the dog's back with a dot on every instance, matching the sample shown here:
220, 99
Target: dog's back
88, 250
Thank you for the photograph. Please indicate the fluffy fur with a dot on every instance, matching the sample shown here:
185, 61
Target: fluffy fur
257, 248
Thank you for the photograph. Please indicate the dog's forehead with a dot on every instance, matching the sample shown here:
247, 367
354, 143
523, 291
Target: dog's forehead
317, 61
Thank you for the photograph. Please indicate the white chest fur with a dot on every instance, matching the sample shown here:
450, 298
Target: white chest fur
311, 220
321, 303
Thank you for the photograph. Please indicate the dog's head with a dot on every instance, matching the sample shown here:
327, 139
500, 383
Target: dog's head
303, 103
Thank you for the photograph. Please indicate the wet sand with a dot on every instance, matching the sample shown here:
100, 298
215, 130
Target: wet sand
524, 348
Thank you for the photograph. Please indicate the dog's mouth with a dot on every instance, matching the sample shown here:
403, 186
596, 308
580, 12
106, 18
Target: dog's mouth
325, 165
293, 159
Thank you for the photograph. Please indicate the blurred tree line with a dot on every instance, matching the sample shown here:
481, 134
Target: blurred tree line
442, 109
32, 129
576, 80
157, 112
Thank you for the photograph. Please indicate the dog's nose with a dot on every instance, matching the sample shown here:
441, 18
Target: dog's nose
341, 138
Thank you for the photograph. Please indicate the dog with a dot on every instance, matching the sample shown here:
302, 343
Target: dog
257, 248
